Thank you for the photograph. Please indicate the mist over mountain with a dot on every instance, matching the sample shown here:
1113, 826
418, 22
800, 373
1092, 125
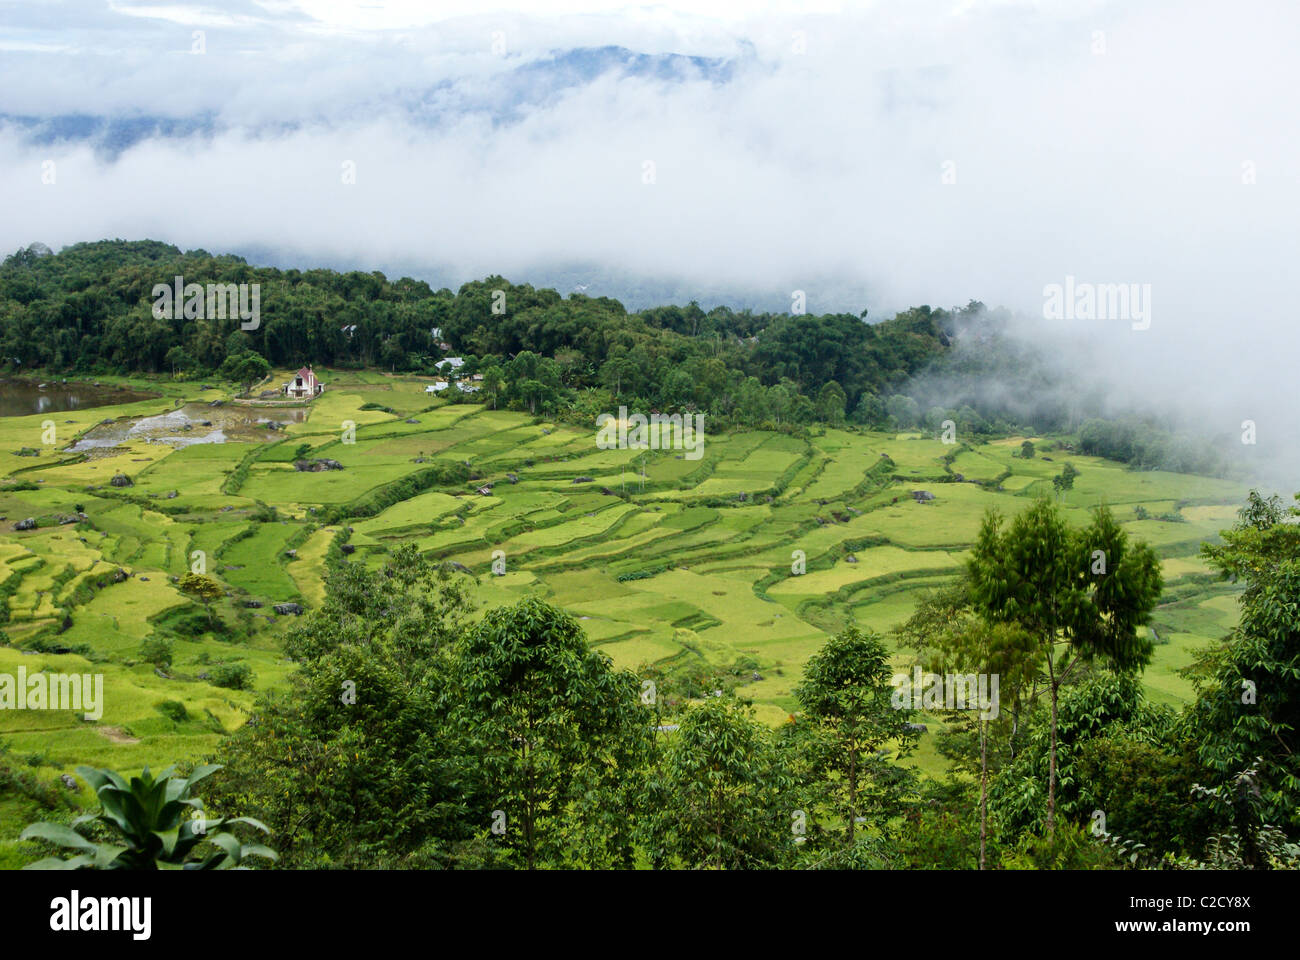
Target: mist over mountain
876, 158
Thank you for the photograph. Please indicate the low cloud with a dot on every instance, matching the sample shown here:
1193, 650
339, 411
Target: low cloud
877, 158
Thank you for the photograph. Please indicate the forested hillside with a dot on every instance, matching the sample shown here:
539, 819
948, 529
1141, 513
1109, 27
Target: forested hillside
88, 309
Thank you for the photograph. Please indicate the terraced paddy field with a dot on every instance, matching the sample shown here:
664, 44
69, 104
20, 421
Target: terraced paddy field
671, 564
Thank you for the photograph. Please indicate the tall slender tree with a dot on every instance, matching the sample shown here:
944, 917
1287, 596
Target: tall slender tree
1081, 594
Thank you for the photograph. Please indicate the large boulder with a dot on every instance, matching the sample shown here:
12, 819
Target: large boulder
121, 480
288, 608
28, 524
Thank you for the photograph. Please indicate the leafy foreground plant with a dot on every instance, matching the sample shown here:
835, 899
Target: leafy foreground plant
161, 823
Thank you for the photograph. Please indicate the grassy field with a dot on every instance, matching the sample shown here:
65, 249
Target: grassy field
668, 562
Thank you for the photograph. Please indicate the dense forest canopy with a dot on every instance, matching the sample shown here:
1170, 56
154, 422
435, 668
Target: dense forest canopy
90, 309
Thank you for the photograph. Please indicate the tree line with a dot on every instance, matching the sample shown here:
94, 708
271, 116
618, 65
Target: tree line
89, 309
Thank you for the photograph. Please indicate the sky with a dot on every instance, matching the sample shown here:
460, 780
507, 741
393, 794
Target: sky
872, 155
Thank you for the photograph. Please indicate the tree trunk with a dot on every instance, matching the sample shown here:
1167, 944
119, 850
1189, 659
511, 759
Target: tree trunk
984, 788
853, 791
1051, 772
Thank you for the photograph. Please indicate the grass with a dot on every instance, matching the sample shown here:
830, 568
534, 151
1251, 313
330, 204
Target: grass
671, 567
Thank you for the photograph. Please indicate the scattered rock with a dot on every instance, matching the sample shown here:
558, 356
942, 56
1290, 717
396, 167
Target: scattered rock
173, 495
252, 604
119, 575
145, 579
412, 421
316, 466
584, 480
512, 478
288, 608
293, 554
121, 480
68, 781
348, 548
850, 559
28, 524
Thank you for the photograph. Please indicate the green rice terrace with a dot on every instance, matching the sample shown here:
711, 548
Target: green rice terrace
671, 564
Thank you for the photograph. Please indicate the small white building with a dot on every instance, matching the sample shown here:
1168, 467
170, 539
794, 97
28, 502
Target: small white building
454, 362
437, 386
304, 385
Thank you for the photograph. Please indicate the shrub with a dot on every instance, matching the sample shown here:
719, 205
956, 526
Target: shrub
195, 623
233, 676
158, 651
174, 710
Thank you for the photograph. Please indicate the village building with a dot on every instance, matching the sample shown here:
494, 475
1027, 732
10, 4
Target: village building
304, 385
454, 362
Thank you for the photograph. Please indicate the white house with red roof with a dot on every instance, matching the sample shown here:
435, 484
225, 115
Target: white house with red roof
304, 385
